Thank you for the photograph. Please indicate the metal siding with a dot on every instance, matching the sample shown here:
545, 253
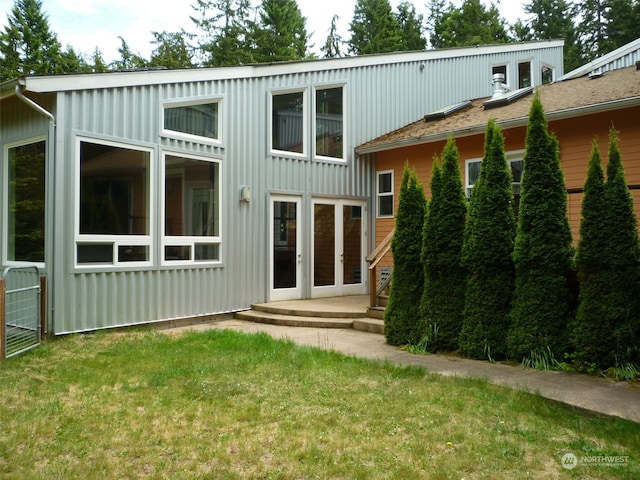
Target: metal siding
380, 98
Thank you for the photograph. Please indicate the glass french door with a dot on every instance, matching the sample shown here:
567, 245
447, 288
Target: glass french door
285, 248
338, 248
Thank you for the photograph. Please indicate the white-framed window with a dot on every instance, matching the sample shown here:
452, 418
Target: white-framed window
547, 73
289, 122
24, 198
193, 120
385, 194
503, 69
191, 206
524, 74
329, 121
114, 211
515, 159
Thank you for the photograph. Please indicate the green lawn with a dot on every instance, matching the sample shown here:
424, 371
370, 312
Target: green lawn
224, 405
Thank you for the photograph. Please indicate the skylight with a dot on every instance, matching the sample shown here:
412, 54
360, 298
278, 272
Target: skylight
507, 98
445, 111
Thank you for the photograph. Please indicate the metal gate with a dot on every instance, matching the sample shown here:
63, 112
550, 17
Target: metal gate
20, 326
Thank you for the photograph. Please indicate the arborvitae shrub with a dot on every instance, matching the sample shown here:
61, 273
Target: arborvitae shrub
543, 255
444, 277
401, 319
487, 254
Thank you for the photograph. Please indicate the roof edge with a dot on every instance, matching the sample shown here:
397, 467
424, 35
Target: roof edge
504, 124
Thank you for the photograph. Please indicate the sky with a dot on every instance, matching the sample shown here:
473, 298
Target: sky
86, 24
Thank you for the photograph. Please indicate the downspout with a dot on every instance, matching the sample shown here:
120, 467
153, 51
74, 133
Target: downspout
50, 196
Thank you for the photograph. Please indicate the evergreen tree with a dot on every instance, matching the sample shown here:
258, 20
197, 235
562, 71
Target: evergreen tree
128, 60
442, 302
172, 50
225, 39
470, 24
411, 27
553, 19
374, 28
332, 47
622, 23
487, 254
281, 34
27, 45
592, 27
606, 330
401, 319
97, 62
543, 255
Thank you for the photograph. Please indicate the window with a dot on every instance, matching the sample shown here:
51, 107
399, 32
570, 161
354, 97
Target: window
547, 74
515, 162
114, 211
193, 119
500, 69
329, 119
26, 202
385, 193
524, 74
289, 122
191, 209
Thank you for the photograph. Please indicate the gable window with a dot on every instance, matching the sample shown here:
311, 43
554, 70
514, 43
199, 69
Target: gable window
191, 209
26, 201
329, 118
114, 205
289, 122
472, 173
385, 193
196, 120
547, 74
524, 74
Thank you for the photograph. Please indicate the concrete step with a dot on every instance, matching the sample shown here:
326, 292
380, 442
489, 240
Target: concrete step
294, 309
383, 300
372, 325
376, 312
294, 320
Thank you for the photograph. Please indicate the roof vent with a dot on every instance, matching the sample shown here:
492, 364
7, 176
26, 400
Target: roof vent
499, 87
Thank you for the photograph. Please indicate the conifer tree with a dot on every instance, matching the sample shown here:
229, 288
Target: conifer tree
442, 302
543, 255
401, 320
281, 34
487, 254
374, 28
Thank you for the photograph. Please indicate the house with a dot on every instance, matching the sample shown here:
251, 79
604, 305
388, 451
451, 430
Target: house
150, 196
578, 110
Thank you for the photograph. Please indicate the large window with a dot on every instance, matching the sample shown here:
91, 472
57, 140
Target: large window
289, 122
547, 73
26, 202
193, 119
329, 118
114, 221
524, 74
191, 209
385, 193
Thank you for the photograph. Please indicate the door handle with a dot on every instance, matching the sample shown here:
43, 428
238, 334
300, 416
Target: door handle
299, 258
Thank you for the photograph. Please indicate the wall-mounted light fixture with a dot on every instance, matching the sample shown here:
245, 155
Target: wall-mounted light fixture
245, 194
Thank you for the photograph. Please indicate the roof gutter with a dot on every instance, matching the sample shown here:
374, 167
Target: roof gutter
503, 124
49, 195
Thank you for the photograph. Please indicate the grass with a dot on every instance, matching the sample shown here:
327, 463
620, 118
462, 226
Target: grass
225, 405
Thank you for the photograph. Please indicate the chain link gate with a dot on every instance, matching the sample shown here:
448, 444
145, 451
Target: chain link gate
20, 309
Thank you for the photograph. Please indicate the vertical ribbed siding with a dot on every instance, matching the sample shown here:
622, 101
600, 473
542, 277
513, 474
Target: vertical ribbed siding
380, 98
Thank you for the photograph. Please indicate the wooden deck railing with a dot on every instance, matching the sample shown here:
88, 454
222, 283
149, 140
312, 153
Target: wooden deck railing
373, 260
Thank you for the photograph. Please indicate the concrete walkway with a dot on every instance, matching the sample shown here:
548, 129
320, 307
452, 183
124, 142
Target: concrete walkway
600, 395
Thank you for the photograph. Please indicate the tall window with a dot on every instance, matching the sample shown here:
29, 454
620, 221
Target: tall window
288, 122
26, 202
191, 209
546, 73
500, 69
385, 193
198, 119
114, 221
329, 123
524, 74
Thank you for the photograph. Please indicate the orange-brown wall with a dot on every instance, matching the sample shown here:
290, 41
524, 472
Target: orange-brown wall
575, 135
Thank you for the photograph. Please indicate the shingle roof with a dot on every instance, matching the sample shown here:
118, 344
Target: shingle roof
614, 89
